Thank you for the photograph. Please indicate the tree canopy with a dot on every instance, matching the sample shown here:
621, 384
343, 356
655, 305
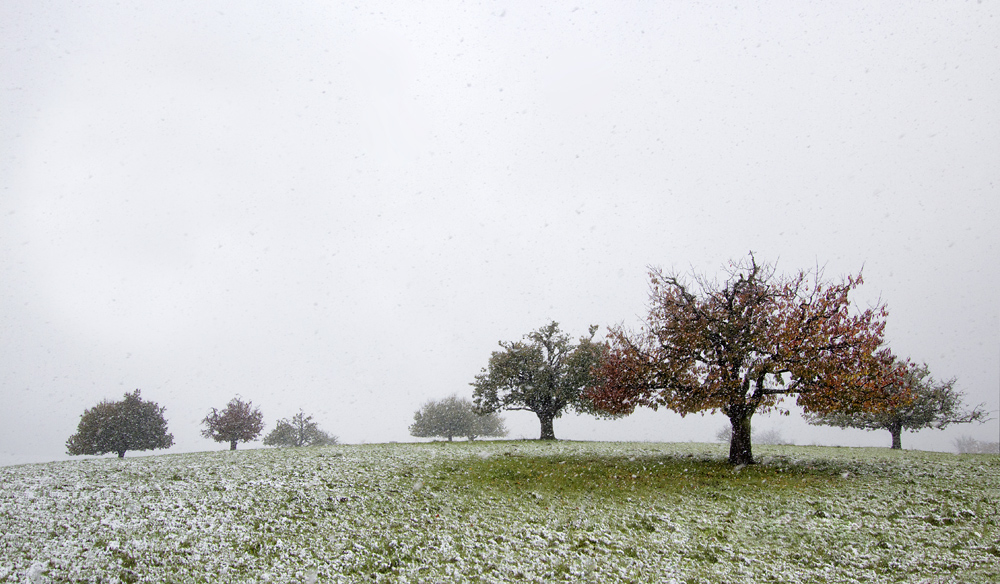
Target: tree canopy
238, 422
742, 345
544, 374
932, 404
120, 426
300, 430
454, 416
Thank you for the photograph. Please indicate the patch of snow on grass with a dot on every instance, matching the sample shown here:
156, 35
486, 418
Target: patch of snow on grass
414, 513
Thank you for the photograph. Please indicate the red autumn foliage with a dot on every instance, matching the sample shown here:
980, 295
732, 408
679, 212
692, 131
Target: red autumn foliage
740, 347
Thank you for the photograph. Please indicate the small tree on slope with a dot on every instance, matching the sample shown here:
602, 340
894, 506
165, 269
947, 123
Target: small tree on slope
299, 431
741, 346
454, 416
935, 404
238, 422
130, 424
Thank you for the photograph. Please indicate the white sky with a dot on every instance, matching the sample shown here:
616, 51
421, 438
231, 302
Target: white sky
344, 208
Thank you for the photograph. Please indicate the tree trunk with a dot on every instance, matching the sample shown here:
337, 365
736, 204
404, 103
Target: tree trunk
740, 448
232, 445
548, 433
121, 454
449, 438
896, 430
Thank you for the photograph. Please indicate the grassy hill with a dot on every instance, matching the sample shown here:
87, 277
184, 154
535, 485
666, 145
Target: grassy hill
505, 511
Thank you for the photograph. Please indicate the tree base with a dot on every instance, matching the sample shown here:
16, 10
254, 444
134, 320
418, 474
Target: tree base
740, 446
548, 432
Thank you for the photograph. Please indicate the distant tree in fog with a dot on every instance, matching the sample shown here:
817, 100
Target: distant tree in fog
454, 416
130, 424
969, 445
486, 425
300, 430
238, 422
725, 434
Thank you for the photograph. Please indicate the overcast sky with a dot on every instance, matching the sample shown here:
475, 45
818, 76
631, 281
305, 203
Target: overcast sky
343, 208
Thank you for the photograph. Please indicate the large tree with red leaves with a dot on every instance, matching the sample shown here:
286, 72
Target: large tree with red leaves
743, 345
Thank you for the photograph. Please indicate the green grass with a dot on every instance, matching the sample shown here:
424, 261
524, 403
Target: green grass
655, 475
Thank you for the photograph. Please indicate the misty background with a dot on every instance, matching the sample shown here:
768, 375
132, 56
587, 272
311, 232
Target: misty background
343, 207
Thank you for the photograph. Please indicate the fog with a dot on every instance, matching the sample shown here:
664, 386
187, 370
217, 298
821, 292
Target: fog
343, 208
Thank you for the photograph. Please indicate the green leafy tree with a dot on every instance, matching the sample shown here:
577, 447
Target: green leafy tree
300, 430
130, 424
454, 416
238, 422
933, 404
545, 374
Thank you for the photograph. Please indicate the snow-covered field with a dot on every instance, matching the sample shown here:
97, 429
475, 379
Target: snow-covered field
505, 511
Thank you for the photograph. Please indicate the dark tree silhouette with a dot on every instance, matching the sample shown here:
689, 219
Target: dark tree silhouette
130, 424
238, 422
544, 375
